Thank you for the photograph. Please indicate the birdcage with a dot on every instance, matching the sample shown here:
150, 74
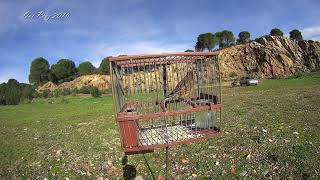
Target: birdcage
164, 100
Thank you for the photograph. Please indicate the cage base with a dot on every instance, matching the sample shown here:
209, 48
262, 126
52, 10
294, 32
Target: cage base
154, 138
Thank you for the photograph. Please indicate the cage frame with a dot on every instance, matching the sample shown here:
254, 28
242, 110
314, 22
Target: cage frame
124, 119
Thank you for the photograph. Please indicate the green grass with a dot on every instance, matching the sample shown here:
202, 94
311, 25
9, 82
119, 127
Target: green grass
271, 130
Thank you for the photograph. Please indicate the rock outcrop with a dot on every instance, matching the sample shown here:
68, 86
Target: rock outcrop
102, 82
270, 56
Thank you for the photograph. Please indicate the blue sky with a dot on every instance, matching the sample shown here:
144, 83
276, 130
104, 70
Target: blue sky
96, 29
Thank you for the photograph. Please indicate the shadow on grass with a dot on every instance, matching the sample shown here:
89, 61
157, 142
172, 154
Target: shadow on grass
129, 171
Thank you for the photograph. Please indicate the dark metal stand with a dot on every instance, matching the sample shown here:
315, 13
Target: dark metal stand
148, 166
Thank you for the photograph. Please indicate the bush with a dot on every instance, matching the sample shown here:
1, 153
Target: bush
94, 91
66, 92
12, 92
298, 75
57, 93
45, 94
84, 90
74, 92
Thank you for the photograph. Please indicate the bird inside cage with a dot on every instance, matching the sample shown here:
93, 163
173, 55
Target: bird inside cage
183, 90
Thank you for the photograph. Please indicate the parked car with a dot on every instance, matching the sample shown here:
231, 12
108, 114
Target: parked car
248, 81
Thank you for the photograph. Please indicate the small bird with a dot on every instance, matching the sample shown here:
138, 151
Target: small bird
182, 90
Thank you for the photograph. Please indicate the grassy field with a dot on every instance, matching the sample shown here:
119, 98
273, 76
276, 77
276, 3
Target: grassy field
271, 130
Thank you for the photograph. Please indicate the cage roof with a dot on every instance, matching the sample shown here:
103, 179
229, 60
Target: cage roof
143, 56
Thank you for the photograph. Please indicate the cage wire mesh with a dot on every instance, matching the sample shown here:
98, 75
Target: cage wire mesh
167, 99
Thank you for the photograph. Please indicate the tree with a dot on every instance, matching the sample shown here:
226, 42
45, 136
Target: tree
189, 50
244, 36
12, 92
2, 93
104, 66
225, 38
207, 41
276, 32
39, 71
52, 77
198, 47
28, 92
296, 35
86, 68
64, 70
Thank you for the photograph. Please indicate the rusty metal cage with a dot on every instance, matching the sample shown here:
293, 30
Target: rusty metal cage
164, 100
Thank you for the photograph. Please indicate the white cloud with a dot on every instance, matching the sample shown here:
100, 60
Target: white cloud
139, 47
99, 51
311, 33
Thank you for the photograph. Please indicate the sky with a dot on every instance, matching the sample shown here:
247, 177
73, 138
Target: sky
91, 30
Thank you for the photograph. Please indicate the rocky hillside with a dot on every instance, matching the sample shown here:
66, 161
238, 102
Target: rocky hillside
264, 57
102, 82
270, 56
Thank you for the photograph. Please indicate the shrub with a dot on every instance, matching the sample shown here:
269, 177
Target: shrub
66, 92
94, 91
84, 90
298, 75
74, 91
45, 94
57, 92
12, 92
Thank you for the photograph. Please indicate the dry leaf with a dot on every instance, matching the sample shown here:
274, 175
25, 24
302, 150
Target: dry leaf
233, 169
185, 161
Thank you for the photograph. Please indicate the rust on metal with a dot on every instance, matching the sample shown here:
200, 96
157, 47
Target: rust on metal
142, 56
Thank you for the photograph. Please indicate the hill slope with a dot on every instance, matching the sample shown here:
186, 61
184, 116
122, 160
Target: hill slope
270, 56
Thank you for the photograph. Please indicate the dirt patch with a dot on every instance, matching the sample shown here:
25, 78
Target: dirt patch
311, 94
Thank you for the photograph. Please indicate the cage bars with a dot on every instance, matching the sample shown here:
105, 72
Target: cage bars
167, 99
